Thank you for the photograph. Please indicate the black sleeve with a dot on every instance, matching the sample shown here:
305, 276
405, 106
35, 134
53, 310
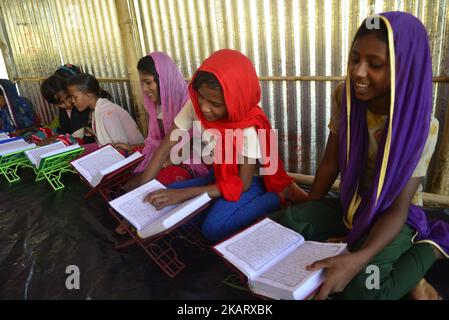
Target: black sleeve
79, 119
64, 123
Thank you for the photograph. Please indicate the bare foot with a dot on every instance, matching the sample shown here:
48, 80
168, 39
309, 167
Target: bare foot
438, 253
294, 194
336, 240
121, 229
424, 291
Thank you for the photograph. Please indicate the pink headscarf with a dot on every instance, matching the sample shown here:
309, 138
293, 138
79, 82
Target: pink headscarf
173, 96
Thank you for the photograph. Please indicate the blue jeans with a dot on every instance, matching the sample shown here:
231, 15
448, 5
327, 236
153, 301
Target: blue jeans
224, 218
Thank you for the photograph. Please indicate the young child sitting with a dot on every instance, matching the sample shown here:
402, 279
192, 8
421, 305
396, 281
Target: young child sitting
110, 122
225, 94
382, 136
70, 126
17, 115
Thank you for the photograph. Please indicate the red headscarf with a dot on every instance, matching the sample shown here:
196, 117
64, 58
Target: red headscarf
241, 91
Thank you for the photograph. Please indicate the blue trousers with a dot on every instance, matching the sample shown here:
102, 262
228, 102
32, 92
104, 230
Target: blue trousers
224, 218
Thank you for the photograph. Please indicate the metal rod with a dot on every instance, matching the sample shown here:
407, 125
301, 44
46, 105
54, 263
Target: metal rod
263, 78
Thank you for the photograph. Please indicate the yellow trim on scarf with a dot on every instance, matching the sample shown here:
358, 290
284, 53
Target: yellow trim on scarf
356, 199
348, 115
383, 169
353, 206
436, 245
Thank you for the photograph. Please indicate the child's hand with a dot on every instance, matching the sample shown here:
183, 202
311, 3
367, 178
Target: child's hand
165, 197
133, 183
340, 270
293, 194
46, 141
122, 146
89, 132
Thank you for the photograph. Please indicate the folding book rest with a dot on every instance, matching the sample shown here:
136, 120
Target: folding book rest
160, 248
111, 186
11, 162
53, 167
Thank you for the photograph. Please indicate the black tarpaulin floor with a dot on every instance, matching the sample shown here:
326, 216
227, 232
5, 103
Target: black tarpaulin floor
42, 232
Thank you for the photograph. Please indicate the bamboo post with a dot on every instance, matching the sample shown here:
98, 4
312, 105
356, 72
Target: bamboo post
440, 181
126, 33
429, 199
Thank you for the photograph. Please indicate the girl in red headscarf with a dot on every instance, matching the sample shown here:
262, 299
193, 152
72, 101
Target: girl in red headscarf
224, 94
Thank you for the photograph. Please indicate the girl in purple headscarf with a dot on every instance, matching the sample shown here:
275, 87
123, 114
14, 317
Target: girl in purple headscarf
382, 136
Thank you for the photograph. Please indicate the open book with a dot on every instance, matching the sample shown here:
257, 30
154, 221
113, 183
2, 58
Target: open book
274, 258
94, 166
38, 154
144, 216
15, 145
3, 136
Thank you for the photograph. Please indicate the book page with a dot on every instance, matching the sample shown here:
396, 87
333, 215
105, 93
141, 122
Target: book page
91, 165
14, 146
35, 154
259, 246
3, 136
8, 140
179, 213
139, 213
121, 163
291, 271
59, 151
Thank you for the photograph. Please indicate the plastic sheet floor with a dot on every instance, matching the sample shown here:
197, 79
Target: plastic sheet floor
42, 232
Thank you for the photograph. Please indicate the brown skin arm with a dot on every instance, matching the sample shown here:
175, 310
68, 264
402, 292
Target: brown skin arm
48, 140
327, 171
127, 147
163, 198
24, 130
342, 269
155, 164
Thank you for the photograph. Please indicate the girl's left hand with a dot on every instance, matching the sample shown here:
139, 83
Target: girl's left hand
165, 197
340, 270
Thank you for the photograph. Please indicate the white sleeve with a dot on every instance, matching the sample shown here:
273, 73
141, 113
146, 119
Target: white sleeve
114, 127
429, 148
184, 119
251, 145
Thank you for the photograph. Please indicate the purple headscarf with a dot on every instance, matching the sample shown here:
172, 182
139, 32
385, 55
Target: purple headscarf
173, 96
404, 139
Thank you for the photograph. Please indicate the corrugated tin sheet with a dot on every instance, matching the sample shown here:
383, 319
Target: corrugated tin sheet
45, 34
284, 38
281, 37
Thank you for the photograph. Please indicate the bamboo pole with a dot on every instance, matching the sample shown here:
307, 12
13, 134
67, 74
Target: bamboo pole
261, 78
126, 32
39, 79
429, 199
440, 181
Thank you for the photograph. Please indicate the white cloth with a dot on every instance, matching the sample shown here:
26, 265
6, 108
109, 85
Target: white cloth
113, 124
187, 117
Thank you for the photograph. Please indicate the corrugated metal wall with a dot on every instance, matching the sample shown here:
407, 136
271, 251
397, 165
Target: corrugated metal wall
44, 34
281, 37
284, 38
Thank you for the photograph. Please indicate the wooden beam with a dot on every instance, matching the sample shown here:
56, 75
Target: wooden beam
429, 199
126, 33
440, 174
40, 79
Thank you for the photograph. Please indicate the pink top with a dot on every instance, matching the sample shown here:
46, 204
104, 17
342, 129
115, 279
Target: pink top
173, 96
